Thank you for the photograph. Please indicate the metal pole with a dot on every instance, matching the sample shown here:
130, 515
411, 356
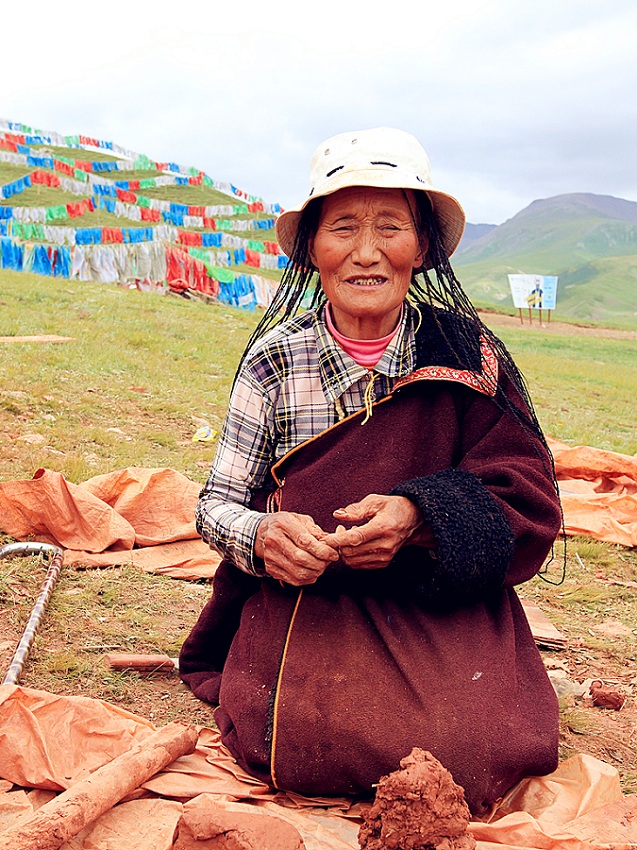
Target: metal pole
57, 556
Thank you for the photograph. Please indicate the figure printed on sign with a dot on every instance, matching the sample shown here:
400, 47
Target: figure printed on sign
534, 298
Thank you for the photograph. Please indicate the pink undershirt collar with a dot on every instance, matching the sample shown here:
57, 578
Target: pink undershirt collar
365, 352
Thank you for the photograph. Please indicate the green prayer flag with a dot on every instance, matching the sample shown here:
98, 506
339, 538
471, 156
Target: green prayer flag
56, 213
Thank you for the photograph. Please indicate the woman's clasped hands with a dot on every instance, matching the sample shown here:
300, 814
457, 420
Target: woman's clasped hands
297, 551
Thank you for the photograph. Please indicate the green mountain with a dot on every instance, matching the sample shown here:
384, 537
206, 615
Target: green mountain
588, 241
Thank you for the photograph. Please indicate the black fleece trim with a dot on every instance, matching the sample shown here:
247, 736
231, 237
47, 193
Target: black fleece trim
473, 536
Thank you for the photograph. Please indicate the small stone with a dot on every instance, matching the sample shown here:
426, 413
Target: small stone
606, 697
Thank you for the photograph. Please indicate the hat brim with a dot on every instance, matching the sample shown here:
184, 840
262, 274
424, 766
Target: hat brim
448, 211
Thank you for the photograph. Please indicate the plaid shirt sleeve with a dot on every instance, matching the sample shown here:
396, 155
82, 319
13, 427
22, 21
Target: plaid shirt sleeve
295, 383
244, 456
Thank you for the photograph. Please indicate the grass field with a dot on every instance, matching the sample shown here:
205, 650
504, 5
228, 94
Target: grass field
150, 366
600, 288
142, 372
583, 386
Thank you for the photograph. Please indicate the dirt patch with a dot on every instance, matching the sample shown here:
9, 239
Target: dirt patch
553, 327
603, 732
92, 613
37, 338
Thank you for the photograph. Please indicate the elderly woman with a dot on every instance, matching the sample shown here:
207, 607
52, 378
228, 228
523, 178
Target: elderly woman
380, 486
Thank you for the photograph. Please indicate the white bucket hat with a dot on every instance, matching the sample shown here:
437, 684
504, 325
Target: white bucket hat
383, 158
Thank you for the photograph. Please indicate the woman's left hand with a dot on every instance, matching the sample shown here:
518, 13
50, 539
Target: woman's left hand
389, 523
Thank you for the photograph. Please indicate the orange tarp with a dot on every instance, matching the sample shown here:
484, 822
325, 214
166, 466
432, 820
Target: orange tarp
51, 742
599, 492
139, 516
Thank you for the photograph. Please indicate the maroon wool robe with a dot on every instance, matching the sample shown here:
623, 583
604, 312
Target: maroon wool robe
322, 690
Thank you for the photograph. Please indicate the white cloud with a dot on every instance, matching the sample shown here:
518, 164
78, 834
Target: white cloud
513, 99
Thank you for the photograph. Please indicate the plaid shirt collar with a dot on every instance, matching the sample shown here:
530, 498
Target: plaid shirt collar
339, 371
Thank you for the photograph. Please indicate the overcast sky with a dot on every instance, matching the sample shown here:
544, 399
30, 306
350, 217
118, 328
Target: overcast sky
512, 99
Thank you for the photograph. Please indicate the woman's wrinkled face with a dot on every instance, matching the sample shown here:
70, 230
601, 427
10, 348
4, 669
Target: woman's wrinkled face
366, 249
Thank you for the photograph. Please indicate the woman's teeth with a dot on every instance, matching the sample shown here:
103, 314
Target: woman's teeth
366, 281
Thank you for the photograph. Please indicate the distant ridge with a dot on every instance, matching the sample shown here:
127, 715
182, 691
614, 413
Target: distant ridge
473, 232
589, 241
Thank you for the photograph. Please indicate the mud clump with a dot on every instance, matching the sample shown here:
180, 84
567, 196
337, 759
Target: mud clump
418, 807
606, 697
206, 826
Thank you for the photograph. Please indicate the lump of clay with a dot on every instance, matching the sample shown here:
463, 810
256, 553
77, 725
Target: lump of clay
606, 697
205, 825
418, 807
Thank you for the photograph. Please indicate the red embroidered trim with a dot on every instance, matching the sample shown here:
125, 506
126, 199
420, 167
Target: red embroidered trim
485, 381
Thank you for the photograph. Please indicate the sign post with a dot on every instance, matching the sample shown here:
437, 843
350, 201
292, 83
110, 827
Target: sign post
533, 292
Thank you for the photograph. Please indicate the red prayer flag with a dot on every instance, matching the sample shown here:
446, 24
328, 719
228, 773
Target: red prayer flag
112, 234
64, 167
127, 197
45, 178
188, 237
150, 215
75, 210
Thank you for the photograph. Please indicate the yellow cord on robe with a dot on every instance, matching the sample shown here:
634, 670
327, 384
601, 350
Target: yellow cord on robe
369, 396
419, 320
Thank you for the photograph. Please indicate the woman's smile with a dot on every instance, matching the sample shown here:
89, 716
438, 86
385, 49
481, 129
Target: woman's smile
366, 281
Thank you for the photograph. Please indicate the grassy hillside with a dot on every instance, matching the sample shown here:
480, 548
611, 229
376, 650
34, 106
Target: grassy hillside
217, 239
589, 241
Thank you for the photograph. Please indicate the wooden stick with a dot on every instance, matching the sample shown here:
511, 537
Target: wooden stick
67, 814
142, 663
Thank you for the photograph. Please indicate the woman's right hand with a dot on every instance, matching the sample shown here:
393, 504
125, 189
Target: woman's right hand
292, 548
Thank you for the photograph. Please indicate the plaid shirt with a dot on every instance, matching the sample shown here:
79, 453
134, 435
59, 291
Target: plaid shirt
295, 382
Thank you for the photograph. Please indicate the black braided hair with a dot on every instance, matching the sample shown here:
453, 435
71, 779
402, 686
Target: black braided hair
438, 289
299, 282
445, 291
